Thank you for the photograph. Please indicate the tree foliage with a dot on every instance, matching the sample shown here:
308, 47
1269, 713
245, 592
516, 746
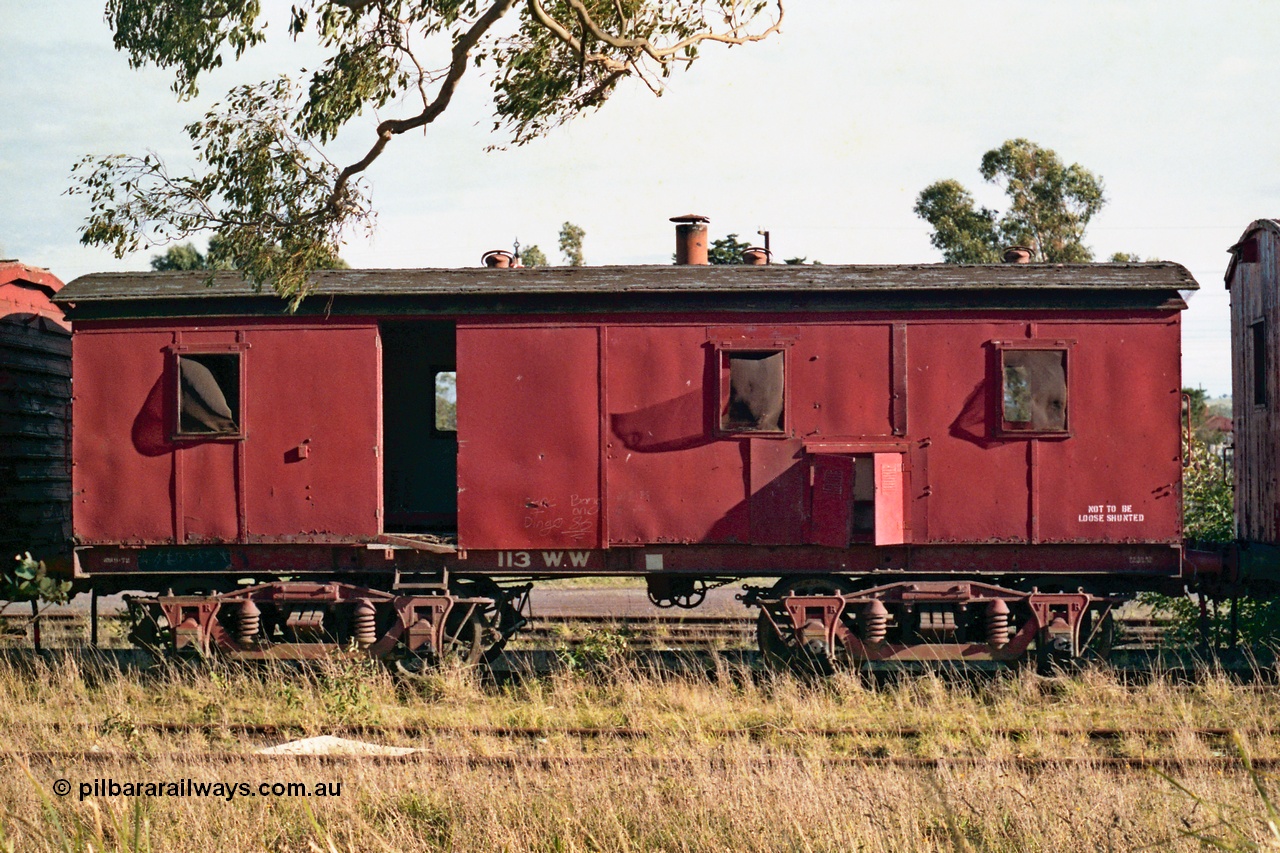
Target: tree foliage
29, 580
1050, 205
532, 256
185, 256
263, 181
447, 400
571, 237
1208, 502
727, 250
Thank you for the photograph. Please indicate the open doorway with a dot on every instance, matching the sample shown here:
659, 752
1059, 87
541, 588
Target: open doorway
419, 426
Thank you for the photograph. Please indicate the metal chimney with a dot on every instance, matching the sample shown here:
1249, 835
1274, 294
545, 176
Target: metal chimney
498, 259
756, 256
691, 238
1017, 255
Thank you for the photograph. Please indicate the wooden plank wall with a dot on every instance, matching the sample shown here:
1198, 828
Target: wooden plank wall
1253, 288
35, 408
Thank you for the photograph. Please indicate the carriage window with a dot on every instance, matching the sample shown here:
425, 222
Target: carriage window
446, 411
752, 391
1034, 388
208, 395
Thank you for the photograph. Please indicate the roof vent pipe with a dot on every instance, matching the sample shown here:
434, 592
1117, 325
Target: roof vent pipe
497, 259
756, 256
1017, 255
691, 239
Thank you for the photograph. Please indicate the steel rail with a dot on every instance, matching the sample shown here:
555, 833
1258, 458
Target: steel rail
1223, 762
757, 731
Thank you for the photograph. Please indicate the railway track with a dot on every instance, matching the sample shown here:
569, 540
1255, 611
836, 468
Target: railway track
754, 732
62, 758
438, 745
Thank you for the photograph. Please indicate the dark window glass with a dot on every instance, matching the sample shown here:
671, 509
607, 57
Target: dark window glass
209, 394
755, 399
1035, 390
446, 415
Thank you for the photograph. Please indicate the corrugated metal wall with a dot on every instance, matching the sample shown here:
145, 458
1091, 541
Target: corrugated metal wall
35, 415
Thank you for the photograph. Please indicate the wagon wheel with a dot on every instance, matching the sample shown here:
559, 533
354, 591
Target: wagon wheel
463, 644
1098, 634
1097, 637
781, 651
149, 630
472, 632
500, 619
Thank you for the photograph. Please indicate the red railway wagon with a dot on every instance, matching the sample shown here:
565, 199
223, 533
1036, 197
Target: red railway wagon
937, 460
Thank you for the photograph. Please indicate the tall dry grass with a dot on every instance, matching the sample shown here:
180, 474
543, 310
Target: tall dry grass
727, 762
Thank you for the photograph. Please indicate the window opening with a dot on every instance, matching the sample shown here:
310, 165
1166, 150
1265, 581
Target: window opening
755, 395
1035, 390
864, 495
1259, 330
209, 394
446, 409
1249, 251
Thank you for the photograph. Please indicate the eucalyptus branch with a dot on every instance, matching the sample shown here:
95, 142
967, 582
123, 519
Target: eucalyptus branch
571, 41
278, 206
461, 56
663, 55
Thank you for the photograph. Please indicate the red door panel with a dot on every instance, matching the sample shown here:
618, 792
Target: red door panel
831, 500
890, 497
528, 429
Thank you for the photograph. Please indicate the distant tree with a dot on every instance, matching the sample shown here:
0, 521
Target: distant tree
1130, 258
727, 250
795, 261
571, 244
1196, 405
1050, 205
965, 234
186, 256
263, 178
531, 256
447, 401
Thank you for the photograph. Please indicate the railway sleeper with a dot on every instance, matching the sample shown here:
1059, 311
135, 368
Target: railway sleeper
934, 621
298, 620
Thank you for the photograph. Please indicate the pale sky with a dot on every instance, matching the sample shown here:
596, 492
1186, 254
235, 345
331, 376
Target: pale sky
824, 135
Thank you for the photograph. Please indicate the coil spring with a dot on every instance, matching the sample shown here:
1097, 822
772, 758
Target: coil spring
998, 623
249, 622
875, 622
365, 623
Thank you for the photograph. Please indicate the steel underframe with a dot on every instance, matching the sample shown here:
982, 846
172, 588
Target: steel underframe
1128, 560
828, 623
418, 625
